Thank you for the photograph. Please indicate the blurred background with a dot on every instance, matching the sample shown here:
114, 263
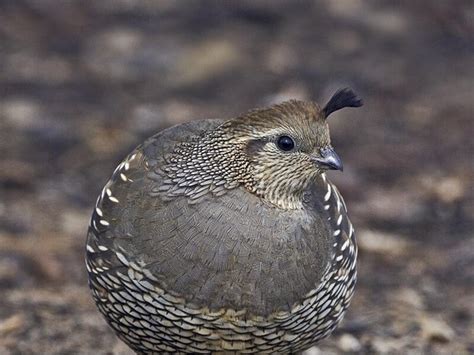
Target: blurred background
83, 82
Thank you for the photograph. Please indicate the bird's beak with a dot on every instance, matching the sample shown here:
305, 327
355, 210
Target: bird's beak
329, 159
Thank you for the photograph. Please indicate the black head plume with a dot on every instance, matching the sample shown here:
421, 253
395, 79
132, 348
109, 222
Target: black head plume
342, 98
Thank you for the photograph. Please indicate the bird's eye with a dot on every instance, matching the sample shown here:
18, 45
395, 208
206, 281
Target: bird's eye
286, 143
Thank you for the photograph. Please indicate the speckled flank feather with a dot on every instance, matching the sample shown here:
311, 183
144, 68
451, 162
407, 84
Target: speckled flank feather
151, 320
184, 255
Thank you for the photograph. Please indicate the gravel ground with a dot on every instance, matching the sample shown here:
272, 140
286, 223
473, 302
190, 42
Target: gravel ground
83, 82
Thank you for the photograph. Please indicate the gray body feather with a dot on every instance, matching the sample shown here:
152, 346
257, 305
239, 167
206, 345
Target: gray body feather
225, 251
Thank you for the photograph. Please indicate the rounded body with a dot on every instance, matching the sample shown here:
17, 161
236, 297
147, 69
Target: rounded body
207, 268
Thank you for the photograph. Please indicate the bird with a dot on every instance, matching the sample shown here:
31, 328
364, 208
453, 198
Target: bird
226, 235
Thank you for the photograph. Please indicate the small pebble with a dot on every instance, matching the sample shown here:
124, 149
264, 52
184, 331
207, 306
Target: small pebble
381, 242
436, 330
12, 324
348, 343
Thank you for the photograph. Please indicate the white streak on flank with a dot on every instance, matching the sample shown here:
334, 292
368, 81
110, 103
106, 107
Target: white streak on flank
344, 204
123, 177
323, 175
122, 258
102, 248
132, 157
99, 211
339, 258
118, 168
326, 207
328, 194
338, 200
111, 198
94, 225
90, 249
126, 166
351, 229
104, 222
88, 267
339, 220
344, 246
336, 232
335, 244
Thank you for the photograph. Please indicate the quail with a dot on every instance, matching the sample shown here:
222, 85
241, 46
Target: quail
226, 235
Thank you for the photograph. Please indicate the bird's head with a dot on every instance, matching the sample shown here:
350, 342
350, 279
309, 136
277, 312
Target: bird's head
273, 152
287, 145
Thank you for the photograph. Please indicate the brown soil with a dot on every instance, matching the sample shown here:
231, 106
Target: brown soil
82, 82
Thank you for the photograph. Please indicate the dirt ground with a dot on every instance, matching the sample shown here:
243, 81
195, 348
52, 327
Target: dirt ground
83, 82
